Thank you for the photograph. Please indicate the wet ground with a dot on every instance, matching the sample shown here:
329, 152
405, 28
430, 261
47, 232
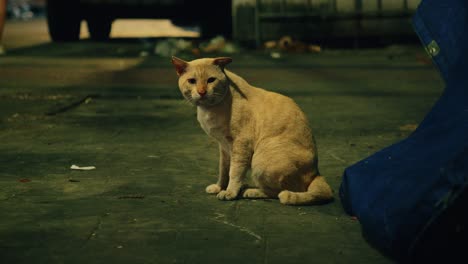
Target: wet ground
105, 105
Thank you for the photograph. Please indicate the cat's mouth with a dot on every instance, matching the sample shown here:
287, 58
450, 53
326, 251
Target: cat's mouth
205, 100
208, 100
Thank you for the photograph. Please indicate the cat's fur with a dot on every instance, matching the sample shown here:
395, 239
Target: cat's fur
256, 129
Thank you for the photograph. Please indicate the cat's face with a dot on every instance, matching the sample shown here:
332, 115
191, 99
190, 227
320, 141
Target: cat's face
202, 82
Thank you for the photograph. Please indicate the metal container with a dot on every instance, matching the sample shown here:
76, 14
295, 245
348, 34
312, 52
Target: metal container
256, 21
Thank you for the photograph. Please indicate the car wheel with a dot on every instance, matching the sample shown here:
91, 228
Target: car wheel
63, 20
99, 28
219, 22
216, 27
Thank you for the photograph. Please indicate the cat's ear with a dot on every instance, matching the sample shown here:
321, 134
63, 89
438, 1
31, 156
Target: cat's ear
180, 65
222, 61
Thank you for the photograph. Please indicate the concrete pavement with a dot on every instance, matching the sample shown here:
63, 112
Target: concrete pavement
101, 104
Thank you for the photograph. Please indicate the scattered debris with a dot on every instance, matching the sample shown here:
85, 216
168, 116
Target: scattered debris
315, 48
270, 44
22, 9
288, 44
119, 246
285, 43
24, 180
75, 167
13, 117
218, 44
275, 55
25, 117
132, 196
84, 100
32, 97
230, 48
409, 127
165, 49
171, 47
215, 44
354, 218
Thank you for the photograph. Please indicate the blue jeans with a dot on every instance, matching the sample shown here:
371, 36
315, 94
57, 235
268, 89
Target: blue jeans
398, 192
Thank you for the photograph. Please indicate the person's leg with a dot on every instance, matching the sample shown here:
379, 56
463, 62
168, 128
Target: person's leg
2, 22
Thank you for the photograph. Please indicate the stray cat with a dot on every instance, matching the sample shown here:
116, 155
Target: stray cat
256, 129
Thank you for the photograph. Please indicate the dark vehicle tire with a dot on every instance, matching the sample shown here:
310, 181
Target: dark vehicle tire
210, 29
99, 28
216, 27
218, 22
63, 20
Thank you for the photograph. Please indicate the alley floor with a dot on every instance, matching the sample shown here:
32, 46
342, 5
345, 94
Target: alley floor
111, 106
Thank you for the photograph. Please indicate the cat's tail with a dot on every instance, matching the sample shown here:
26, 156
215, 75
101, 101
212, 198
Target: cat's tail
318, 192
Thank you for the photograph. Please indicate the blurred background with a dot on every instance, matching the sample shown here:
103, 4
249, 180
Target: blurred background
249, 23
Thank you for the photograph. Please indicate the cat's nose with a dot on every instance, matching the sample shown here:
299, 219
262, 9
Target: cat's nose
202, 92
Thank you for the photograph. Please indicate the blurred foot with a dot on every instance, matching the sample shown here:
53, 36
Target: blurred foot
2, 50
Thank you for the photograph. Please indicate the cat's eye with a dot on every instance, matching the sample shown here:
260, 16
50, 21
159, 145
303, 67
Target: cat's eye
192, 81
211, 79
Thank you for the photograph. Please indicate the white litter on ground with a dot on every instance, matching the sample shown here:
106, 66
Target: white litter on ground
75, 167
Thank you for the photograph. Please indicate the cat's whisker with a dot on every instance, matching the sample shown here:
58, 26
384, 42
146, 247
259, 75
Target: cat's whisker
189, 98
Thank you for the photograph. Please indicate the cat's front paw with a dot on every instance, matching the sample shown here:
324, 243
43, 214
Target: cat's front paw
227, 195
213, 189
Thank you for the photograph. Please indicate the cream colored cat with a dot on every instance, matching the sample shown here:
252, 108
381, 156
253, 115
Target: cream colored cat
256, 129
